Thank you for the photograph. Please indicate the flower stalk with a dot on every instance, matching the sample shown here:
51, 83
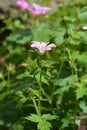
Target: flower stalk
42, 47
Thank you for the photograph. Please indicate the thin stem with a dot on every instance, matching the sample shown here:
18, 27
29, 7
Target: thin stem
74, 72
35, 105
41, 90
8, 79
60, 68
76, 105
40, 86
44, 93
68, 51
9, 103
69, 56
75, 113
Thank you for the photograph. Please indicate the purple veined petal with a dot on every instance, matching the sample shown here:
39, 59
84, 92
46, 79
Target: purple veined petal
43, 44
42, 50
36, 6
36, 13
37, 9
34, 9
44, 10
41, 8
43, 47
47, 8
35, 44
31, 7
50, 46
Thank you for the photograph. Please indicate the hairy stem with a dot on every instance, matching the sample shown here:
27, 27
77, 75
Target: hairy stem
35, 105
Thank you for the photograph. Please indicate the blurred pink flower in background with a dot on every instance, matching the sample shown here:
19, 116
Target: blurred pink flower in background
22, 4
42, 47
84, 27
35, 9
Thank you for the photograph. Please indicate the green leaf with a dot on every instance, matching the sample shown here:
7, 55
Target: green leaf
59, 31
82, 57
33, 117
21, 37
83, 14
48, 117
1, 122
59, 40
80, 92
43, 79
44, 125
78, 38
65, 123
41, 33
17, 127
83, 106
84, 79
68, 80
2, 85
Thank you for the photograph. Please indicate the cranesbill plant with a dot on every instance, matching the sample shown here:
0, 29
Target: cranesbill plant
41, 119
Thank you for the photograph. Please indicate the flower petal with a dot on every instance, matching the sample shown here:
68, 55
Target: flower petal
22, 4
37, 9
35, 44
84, 27
51, 46
44, 44
42, 47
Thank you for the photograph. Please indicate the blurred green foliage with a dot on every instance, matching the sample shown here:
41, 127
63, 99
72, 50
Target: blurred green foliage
64, 75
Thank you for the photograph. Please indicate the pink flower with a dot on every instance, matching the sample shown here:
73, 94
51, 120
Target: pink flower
22, 4
37, 9
34, 8
42, 47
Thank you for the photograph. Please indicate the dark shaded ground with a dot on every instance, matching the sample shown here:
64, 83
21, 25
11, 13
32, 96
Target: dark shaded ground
4, 4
